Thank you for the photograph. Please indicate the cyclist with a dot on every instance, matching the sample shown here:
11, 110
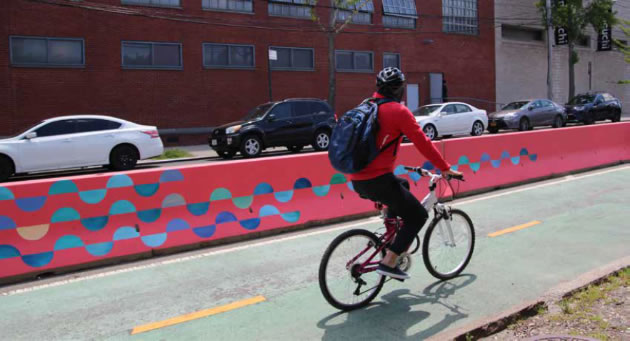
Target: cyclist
377, 182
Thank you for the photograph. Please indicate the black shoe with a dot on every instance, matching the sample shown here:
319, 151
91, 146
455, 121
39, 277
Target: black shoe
391, 272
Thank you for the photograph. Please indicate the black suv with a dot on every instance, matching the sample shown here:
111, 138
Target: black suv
292, 123
591, 107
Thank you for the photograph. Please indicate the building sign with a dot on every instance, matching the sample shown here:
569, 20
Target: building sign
604, 39
562, 36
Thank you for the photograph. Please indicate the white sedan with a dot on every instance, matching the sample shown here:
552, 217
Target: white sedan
78, 141
452, 118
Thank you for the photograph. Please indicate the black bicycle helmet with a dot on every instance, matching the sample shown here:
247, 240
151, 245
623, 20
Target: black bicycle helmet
390, 83
390, 76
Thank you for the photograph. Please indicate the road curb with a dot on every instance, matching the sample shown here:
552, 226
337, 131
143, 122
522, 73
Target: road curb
491, 325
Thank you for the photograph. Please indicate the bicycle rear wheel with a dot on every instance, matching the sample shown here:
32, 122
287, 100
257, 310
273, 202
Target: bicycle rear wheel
339, 279
448, 245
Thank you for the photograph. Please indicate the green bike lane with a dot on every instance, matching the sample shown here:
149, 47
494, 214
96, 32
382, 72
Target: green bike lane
584, 225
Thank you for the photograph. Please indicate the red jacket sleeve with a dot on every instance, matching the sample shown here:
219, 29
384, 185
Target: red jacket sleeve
412, 130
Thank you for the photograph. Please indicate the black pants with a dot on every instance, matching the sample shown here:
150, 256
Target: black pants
394, 193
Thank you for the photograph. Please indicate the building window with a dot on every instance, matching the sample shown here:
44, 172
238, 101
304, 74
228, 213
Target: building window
228, 56
148, 55
584, 41
293, 59
399, 13
356, 61
157, 3
521, 33
245, 6
291, 8
391, 59
50, 52
460, 16
364, 9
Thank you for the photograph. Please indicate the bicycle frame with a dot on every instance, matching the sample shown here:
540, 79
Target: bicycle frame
429, 202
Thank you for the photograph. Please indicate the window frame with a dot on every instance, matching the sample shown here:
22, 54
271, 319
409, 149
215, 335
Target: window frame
291, 3
399, 66
275, 107
46, 65
70, 121
211, 9
345, 8
445, 17
292, 68
126, 3
466, 106
205, 66
371, 53
151, 67
392, 14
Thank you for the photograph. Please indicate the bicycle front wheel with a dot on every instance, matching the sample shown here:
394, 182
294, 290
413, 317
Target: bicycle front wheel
341, 280
448, 245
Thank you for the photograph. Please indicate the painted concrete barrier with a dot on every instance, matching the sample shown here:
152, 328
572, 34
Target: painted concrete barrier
53, 224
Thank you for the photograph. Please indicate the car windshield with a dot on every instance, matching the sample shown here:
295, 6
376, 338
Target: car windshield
582, 99
257, 112
515, 105
21, 128
426, 110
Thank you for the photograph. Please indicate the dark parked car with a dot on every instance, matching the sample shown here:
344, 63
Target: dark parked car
591, 107
524, 115
291, 123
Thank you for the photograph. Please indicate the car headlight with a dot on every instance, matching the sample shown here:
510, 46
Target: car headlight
580, 108
233, 129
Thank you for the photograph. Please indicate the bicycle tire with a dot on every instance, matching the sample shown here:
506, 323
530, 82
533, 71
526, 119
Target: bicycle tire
427, 240
323, 266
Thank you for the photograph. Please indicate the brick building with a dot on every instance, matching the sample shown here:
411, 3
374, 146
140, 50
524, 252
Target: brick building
186, 65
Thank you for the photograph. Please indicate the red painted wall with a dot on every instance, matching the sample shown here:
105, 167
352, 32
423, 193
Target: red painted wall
47, 224
198, 97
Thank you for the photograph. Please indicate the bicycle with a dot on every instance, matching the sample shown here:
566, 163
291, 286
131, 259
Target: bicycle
356, 268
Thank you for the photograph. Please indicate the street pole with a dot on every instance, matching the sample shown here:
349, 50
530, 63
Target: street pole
269, 56
549, 52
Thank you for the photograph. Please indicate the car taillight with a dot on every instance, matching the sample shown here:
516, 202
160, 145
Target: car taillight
153, 133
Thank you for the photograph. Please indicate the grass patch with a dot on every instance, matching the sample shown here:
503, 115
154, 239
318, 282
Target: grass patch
173, 154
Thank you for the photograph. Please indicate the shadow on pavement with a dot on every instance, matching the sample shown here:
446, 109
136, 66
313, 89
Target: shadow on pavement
398, 312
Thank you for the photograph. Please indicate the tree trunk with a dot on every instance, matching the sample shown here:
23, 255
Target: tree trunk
571, 72
331, 70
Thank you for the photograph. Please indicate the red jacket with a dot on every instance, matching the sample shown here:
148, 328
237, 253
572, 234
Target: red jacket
395, 119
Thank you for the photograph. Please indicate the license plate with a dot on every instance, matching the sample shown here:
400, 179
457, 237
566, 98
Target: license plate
493, 123
214, 142
229, 140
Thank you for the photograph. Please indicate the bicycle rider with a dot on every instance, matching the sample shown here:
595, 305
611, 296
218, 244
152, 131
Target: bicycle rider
377, 182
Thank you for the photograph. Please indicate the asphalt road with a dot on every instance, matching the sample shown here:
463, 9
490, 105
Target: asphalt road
148, 164
582, 225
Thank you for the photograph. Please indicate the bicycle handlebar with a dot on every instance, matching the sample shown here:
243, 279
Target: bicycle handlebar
424, 172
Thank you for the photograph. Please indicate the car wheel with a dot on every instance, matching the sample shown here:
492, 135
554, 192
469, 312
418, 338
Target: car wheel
616, 117
477, 129
430, 131
321, 140
493, 130
6, 168
251, 146
295, 149
123, 157
558, 122
226, 154
523, 124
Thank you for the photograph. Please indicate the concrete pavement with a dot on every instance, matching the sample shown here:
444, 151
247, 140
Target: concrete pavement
584, 226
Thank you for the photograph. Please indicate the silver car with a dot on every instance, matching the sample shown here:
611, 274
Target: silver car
524, 115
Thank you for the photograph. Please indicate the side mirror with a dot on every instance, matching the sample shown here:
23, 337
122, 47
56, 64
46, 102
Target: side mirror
30, 135
530, 108
271, 117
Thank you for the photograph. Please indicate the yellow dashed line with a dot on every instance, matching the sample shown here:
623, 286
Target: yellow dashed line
514, 228
197, 315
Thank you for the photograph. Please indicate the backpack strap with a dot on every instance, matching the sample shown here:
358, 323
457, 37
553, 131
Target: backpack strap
380, 101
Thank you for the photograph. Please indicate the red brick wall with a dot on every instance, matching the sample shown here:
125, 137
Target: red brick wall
198, 97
